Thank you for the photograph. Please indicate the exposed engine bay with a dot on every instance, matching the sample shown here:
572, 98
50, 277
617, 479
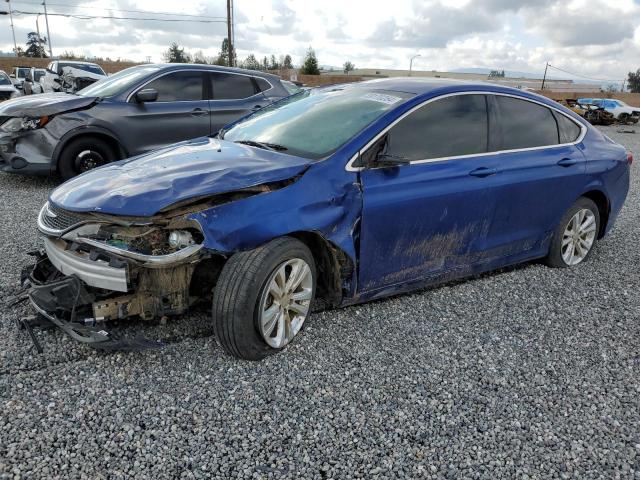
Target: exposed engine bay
92, 271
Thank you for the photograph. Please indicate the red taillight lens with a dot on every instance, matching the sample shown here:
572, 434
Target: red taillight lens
629, 158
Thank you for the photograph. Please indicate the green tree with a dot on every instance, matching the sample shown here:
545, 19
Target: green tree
251, 62
273, 63
175, 54
35, 46
310, 64
223, 57
286, 62
348, 67
634, 81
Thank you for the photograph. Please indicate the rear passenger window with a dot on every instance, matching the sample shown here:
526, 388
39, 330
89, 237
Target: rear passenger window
178, 87
448, 127
227, 86
569, 130
263, 85
525, 124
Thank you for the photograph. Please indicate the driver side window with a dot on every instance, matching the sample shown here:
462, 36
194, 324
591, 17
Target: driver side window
449, 127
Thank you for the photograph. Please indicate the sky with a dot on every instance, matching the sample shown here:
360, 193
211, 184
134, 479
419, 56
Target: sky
599, 39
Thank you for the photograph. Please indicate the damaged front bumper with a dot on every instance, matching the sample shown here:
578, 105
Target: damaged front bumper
27, 152
78, 283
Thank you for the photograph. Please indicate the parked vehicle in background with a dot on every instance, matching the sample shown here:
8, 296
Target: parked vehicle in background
132, 112
32, 83
7, 90
593, 114
292, 87
338, 195
18, 74
619, 109
69, 77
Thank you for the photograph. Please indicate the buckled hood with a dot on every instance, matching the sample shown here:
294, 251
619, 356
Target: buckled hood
144, 185
44, 105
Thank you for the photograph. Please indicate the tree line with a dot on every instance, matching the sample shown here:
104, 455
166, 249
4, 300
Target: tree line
177, 54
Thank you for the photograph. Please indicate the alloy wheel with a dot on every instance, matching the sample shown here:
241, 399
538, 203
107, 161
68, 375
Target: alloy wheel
578, 237
285, 302
88, 159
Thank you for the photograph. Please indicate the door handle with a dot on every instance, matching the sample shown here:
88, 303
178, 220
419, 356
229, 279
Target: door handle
198, 112
567, 162
483, 172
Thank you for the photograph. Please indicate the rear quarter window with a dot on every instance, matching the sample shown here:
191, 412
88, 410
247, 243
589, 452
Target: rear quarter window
525, 124
568, 129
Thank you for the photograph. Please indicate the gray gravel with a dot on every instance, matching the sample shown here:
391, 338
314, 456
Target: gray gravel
527, 373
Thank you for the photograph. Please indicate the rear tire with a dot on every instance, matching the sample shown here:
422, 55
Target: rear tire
84, 154
575, 236
242, 298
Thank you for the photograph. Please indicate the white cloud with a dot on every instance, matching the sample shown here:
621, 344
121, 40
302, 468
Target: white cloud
596, 38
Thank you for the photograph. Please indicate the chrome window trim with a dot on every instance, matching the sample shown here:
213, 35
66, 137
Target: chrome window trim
583, 131
203, 70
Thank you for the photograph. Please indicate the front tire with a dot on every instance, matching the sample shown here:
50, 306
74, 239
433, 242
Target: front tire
263, 297
575, 236
84, 154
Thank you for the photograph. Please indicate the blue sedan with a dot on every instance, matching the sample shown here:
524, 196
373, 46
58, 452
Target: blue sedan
327, 198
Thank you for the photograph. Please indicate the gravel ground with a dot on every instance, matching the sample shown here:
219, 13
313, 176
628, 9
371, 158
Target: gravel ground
527, 373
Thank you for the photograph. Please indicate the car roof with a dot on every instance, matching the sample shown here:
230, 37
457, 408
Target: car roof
213, 68
77, 62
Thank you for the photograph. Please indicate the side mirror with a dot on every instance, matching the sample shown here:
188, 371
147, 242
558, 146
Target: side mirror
13, 75
147, 95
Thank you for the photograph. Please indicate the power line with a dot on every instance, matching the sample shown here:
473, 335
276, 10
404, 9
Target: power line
585, 77
68, 5
109, 17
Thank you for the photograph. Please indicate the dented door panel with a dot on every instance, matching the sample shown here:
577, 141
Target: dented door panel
422, 219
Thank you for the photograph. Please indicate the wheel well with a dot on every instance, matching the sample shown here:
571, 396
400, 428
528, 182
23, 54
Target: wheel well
332, 266
112, 142
604, 207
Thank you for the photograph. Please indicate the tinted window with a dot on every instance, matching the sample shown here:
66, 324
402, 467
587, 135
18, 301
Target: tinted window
263, 85
227, 86
4, 80
525, 124
84, 67
569, 130
178, 87
445, 128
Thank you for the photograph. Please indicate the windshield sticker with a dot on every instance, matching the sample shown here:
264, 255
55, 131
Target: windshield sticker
382, 98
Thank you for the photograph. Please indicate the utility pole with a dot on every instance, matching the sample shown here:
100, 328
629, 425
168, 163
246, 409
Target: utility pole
15, 45
229, 35
544, 78
623, 82
411, 63
40, 49
46, 18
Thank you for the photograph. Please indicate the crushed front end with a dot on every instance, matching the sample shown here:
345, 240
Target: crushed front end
95, 268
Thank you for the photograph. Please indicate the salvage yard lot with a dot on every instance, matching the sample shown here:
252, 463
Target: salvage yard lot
526, 372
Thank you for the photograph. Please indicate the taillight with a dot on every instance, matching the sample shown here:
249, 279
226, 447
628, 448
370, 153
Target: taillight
629, 158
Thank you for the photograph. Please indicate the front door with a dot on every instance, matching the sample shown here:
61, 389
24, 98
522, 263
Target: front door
181, 112
434, 214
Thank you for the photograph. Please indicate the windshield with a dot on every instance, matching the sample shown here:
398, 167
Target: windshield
82, 66
38, 75
315, 123
118, 83
4, 79
23, 72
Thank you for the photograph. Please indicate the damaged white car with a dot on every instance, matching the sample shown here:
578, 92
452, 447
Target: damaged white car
69, 77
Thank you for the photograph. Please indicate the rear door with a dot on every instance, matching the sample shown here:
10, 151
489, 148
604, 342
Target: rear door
234, 95
542, 172
181, 112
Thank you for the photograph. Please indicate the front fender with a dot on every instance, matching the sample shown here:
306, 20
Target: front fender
80, 130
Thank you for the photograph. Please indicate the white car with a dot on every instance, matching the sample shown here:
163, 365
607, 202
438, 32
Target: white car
70, 76
618, 108
32, 83
7, 90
